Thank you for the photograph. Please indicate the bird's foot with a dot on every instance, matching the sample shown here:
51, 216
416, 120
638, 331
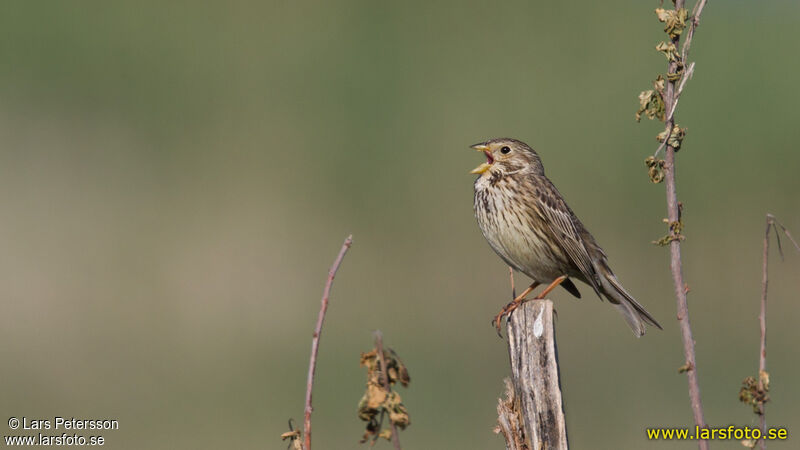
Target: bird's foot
498, 319
509, 308
512, 306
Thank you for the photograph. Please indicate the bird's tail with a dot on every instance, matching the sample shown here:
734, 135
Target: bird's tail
633, 311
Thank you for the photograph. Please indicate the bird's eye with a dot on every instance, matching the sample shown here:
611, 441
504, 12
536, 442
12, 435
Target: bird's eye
505, 150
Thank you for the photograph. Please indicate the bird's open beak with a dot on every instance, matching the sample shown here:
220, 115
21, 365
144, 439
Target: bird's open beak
489, 159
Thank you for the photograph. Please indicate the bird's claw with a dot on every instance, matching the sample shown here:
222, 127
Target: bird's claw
508, 309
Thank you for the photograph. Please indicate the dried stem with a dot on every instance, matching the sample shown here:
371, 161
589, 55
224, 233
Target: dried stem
312, 364
674, 213
695, 21
385, 381
762, 318
687, 75
772, 224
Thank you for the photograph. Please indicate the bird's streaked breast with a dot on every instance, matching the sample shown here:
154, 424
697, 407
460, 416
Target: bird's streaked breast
506, 218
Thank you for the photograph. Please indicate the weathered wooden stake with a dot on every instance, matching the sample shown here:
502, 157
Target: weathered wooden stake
532, 414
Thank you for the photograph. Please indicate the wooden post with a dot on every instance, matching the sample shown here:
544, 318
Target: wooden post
532, 414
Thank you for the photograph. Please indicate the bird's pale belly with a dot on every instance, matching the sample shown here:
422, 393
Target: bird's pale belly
510, 235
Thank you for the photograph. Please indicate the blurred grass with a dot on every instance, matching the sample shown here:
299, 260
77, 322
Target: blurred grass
176, 178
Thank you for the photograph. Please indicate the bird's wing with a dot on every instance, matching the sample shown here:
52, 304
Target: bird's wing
562, 223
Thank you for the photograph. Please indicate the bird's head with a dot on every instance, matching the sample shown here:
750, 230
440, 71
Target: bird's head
506, 156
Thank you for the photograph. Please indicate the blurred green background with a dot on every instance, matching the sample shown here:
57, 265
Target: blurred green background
176, 178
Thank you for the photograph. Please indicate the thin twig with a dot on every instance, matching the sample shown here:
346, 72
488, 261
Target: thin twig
762, 318
312, 364
772, 224
695, 22
664, 142
385, 380
687, 74
676, 265
776, 225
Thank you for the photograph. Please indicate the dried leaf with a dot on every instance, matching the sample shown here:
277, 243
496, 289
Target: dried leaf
751, 395
378, 402
675, 229
294, 435
675, 137
651, 104
386, 434
655, 169
398, 413
658, 84
290, 435
674, 20
396, 369
669, 50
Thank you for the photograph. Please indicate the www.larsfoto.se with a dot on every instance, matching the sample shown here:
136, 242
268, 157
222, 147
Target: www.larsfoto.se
58, 440
717, 433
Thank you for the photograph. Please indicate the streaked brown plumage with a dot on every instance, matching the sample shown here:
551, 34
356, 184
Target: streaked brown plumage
529, 225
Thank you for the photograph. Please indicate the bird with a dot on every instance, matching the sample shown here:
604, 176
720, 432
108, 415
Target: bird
529, 225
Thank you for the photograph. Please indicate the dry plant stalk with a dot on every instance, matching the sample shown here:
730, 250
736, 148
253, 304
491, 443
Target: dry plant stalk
661, 103
312, 364
756, 392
